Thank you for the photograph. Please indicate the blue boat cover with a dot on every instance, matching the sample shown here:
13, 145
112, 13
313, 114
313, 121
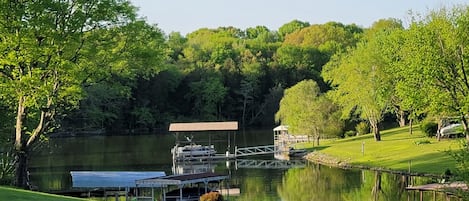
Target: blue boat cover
110, 179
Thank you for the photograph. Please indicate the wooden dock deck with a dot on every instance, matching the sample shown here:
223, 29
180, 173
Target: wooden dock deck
448, 190
440, 187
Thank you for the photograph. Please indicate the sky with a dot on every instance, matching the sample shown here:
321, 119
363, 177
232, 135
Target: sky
186, 16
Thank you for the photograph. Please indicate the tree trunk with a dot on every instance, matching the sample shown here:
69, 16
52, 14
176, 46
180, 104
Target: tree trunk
21, 154
21, 175
317, 140
410, 127
438, 134
377, 186
401, 118
465, 127
376, 132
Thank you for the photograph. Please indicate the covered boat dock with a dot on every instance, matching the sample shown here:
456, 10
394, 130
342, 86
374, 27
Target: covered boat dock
112, 183
198, 127
182, 182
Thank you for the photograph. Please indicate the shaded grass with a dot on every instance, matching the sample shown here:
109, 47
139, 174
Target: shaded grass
398, 150
12, 194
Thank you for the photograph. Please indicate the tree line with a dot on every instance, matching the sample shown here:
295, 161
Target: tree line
214, 75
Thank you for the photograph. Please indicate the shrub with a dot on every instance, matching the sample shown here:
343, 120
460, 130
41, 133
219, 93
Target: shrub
419, 142
211, 196
350, 133
429, 128
362, 128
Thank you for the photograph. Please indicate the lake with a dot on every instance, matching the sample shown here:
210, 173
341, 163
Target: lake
50, 168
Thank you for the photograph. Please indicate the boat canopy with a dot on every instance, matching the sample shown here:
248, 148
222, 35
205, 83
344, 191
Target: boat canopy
204, 126
110, 179
281, 128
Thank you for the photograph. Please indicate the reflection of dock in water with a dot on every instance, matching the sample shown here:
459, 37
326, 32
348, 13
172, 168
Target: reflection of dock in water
192, 167
269, 164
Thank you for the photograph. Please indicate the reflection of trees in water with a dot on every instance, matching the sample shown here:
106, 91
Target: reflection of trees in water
379, 186
254, 188
317, 182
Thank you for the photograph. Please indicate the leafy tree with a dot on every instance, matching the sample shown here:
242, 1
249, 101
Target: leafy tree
291, 27
360, 83
176, 43
207, 95
260, 35
298, 63
50, 52
433, 64
305, 110
324, 35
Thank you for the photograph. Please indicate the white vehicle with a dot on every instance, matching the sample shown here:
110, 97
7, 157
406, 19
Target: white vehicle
452, 129
193, 150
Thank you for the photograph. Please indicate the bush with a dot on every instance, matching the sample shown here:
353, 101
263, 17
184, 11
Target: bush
419, 142
211, 196
350, 133
362, 128
429, 128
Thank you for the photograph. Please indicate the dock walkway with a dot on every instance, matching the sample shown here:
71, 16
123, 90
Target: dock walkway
448, 189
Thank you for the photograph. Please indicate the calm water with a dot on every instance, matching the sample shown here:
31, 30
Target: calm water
51, 166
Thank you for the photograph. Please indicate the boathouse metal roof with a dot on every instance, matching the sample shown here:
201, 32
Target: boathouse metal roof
181, 179
281, 128
110, 179
204, 126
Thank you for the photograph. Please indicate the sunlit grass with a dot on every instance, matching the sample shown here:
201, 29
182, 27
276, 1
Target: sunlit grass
398, 150
12, 194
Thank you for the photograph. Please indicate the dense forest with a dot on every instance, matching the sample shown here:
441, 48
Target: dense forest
94, 66
214, 75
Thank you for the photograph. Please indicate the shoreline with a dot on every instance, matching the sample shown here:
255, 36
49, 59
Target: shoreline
324, 159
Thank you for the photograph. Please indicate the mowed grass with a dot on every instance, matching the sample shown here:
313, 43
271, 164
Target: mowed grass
397, 150
12, 194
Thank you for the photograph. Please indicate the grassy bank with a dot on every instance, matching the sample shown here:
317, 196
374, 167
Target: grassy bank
398, 151
12, 194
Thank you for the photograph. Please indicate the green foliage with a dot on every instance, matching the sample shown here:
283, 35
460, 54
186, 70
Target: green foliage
207, 94
429, 128
361, 84
291, 27
350, 133
308, 112
419, 142
461, 156
299, 183
362, 128
298, 108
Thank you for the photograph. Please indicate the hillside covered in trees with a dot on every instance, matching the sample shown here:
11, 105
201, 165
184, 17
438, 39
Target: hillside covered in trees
216, 74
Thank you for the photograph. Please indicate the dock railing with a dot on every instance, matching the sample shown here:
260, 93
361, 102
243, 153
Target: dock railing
257, 150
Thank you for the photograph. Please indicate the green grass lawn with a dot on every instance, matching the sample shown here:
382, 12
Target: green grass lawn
12, 194
397, 151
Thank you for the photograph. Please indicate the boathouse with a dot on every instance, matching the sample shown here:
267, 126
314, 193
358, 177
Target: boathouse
198, 127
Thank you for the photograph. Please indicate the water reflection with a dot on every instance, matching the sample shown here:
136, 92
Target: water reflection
51, 166
317, 182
